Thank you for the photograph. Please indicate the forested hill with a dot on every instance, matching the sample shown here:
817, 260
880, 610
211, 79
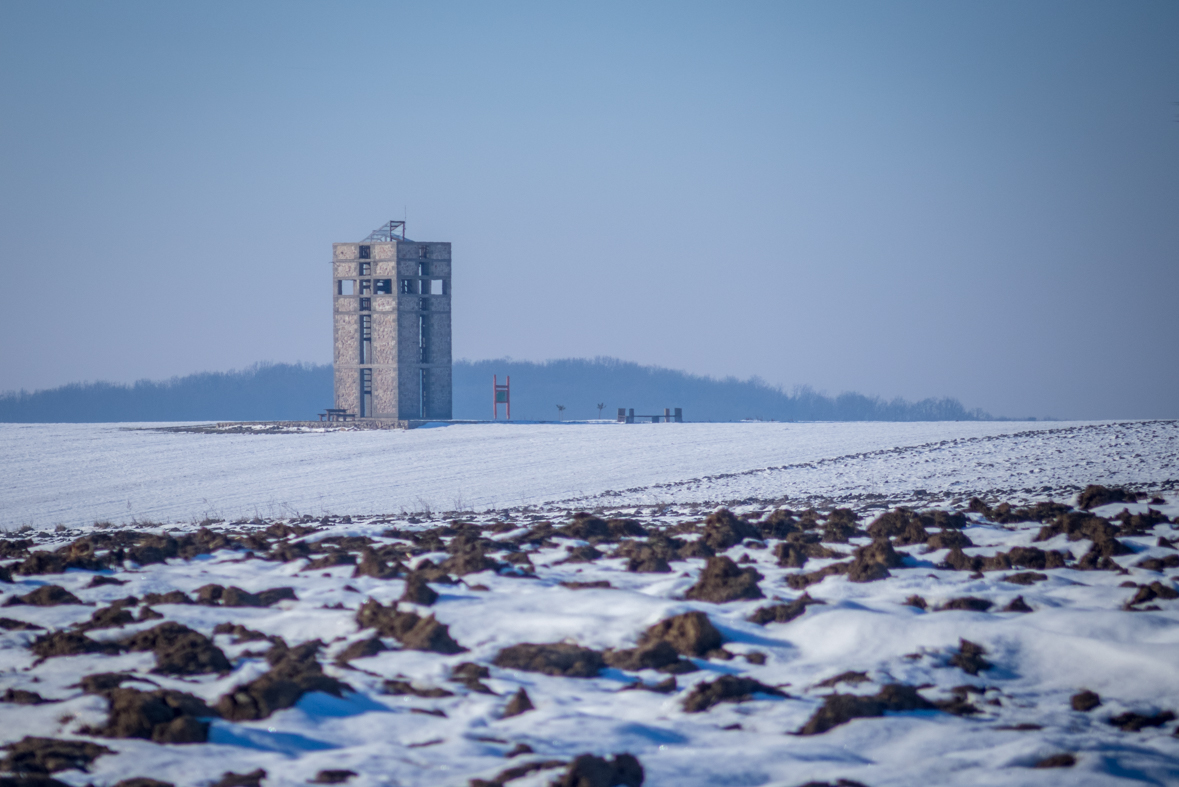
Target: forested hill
298, 391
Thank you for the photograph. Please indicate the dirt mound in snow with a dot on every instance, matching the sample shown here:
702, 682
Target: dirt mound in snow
1096, 495
1135, 722
723, 530
213, 595
1018, 557
726, 688
32, 755
293, 673
411, 630
562, 659
115, 616
588, 770
1085, 701
44, 596
909, 526
657, 655
948, 539
162, 716
519, 703
418, 592
179, 650
722, 581
690, 634
783, 613
967, 603
841, 708
69, 643
969, 657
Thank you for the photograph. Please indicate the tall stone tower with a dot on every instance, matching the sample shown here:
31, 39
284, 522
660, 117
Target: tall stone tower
392, 326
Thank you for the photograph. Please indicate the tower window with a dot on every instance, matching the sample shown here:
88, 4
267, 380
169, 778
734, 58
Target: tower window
346, 287
366, 304
366, 393
366, 252
366, 286
366, 269
366, 338
407, 286
383, 287
423, 251
436, 287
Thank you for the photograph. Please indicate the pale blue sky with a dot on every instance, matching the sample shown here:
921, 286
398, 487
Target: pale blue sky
978, 200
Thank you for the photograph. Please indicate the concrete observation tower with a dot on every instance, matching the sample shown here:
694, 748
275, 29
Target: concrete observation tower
391, 298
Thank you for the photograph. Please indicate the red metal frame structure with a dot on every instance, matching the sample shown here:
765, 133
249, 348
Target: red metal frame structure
503, 395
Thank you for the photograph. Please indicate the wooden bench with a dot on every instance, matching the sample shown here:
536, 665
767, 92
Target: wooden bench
334, 414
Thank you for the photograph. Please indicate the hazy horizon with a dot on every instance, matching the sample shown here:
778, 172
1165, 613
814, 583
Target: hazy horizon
912, 200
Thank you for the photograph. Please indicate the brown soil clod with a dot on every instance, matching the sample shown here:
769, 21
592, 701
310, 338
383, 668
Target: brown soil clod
372, 565
783, 613
1155, 590
23, 697
690, 634
519, 703
141, 781
839, 709
179, 650
171, 597
361, 649
32, 755
98, 580
418, 592
588, 770
558, 658
1017, 604
1025, 578
1064, 760
114, 616
1159, 563
726, 688
851, 678
517, 772
333, 776
665, 686
723, 530
916, 601
1085, 701
722, 581
9, 624
293, 673
69, 643
658, 655
230, 779
969, 657
405, 688
1096, 495
162, 716
967, 604
1134, 722
44, 596
601, 583
411, 630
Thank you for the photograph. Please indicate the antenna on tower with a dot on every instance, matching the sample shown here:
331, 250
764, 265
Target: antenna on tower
388, 232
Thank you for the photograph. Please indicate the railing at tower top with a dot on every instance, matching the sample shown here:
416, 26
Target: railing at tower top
387, 232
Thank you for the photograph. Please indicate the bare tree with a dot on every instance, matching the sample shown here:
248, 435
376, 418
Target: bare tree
561, 412
601, 406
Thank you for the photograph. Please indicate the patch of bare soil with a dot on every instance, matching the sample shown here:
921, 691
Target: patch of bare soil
32, 755
214, 595
948, 539
162, 716
581, 554
722, 581
519, 703
405, 688
23, 697
657, 655
723, 530
1017, 604
1021, 557
69, 643
1159, 563
872, 562
179, 650
1085, 701
690, 634
470, 675
1155, 590
601, 583
558, 658
839, 709
851, 678
411, 630
969, 657
44, 596
9, 624
1096, 495
516, 772
1064, 760
967, 603
783, 613
230, 779
1025, 578
588, 770
115, 616
293, 673
726, 688
418, 592
1134, 722
361, 649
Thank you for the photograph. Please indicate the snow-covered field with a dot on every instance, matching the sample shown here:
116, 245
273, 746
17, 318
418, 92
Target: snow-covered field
967, 692
76, 474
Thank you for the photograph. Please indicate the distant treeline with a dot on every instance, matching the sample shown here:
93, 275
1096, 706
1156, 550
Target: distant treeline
281, 392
